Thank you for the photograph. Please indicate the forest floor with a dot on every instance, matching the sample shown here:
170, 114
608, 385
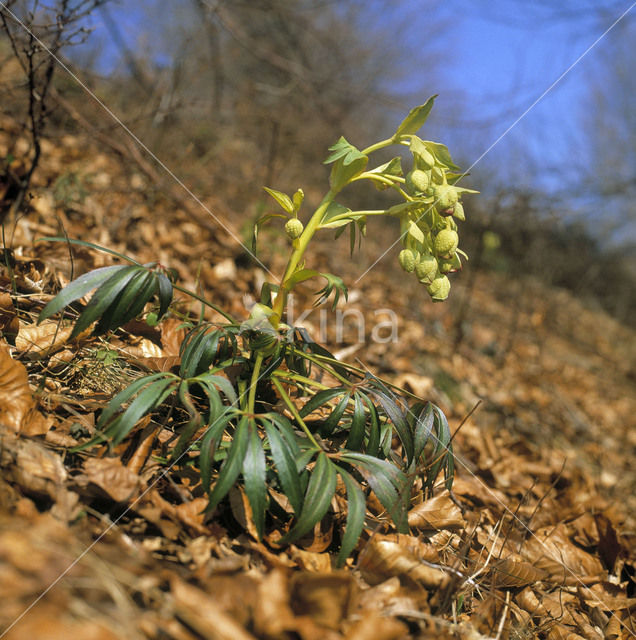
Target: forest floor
537, 540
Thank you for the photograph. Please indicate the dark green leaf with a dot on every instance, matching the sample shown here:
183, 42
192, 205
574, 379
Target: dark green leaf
320, 490
389, 484
231, 467
423, 427
147, 400
320, 399
398, 419
78, 289
356, 511
334, 418
285, 467
104, 297
254, 477
210, 442
358, 423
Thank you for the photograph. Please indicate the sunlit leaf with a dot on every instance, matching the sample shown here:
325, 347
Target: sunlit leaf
283, 200
415, 119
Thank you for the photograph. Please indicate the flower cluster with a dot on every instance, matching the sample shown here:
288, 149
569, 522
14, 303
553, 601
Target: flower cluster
429, 217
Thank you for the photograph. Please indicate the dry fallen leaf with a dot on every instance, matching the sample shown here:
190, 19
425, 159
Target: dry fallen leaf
439, 512
383, 558
9, 324
41, 340
15, 394
112, 477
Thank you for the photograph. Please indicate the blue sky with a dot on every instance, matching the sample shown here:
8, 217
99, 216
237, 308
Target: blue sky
494, 60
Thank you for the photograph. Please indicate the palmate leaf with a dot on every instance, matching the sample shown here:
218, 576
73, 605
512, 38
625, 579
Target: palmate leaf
320, 491
202, 347
121, 294
349, 162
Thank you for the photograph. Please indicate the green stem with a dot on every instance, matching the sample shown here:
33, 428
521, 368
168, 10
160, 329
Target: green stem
251, 399
378, 145
296, 257
292, 407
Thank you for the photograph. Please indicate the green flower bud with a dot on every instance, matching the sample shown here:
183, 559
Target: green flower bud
417, 181
439, 288
426, 269
445, 196
450, 266
445, 243
458, 212
294, 228
407, 260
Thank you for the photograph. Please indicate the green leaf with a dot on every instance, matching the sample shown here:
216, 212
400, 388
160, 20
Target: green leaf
334, 283
373, 442
332, 211
282, 198
356, 511
442, 154
415, 119
285, 466
78, 289
390, 169
334, 418
320, 399
398, 419
210, 442
129, 302
423, 427
358, 422
320, 490
388, 483
147, 400
443, 453
344, 172
254, 478
165, 294
231, 468
343, 150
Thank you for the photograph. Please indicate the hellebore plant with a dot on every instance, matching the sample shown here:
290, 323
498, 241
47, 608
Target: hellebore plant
254, 415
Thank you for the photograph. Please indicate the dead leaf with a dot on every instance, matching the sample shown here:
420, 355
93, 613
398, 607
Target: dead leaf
41, 340
551, 550
201, 612
112, 477
15, 394
439, 512
383, 558
327, 598
376, 627
9, 324
172, 336
514, 572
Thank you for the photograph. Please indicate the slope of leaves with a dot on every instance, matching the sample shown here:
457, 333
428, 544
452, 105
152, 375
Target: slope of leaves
536, 538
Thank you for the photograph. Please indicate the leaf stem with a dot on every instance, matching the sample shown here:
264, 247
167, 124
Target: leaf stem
251, 399
292, 407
